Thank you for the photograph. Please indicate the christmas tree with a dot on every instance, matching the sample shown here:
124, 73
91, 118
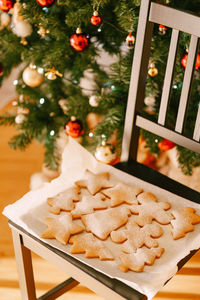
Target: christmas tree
60, 44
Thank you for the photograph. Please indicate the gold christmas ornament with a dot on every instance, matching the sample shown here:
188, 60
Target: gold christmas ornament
31, 77
52, 74
105, 153
152, 71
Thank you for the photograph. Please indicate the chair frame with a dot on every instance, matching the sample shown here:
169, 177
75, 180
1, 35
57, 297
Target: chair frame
101, 284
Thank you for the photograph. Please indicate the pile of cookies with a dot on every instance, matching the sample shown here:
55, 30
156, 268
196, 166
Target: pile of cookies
95, 210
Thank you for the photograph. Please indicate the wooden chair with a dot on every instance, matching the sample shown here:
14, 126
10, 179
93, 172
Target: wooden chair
103, 285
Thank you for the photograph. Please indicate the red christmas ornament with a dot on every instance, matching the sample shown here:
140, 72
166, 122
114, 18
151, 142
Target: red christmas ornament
74, 128
79, 41
6, 5
165, 145
184, 61
95, 19
46, 3
1, 69
130, 41
162, 29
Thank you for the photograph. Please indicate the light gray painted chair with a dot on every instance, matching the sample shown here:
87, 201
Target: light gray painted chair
24, 243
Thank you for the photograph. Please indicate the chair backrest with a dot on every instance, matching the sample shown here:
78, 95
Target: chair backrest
179, 21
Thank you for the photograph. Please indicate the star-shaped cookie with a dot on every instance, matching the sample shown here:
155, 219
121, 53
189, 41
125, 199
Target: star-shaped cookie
94, 182
64, 200
88, 204
61, 227
122, 193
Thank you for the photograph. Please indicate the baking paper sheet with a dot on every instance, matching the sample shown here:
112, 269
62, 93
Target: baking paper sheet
30, 211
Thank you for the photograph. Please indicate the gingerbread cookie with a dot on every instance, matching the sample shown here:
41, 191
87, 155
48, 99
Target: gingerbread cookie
136, 261
94, 182
149, 209
60, 227
135, 237
91, 246
64, 200
88, 204
122, 193
101, 223
183, 222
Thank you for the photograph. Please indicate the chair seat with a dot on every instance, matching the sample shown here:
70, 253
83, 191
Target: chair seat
118, 289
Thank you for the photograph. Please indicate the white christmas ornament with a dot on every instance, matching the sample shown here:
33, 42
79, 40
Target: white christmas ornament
5, 20
19, 119
105, 153
20, 27
94, 100
150, 100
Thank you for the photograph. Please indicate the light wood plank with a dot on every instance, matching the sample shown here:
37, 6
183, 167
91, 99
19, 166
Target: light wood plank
187, 82
179, 20
168, 77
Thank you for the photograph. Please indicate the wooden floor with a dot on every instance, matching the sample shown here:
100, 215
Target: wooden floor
15, 170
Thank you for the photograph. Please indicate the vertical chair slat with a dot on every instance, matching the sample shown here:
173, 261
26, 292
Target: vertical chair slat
168, 77
187, 81
138, 78
196, 135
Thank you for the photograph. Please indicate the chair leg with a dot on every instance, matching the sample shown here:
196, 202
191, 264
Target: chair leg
24, 267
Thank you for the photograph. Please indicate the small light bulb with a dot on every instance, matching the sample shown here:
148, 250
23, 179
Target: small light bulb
40, 70
15, 82
42, 100
90, 134
52, 132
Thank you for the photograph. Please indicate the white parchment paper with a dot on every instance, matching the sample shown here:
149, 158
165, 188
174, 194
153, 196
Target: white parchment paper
30, 211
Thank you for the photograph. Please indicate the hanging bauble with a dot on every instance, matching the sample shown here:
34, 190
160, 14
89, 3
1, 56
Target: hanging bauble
46, 3
149, 100
184, 61
130, 41
22, 29
162, 29
20, 26
74, 128
79, 41
5, 20
20, 118
1, 69
94, 100
105, 153
31, 77
152, 71
165, 145
95, 19
6, 5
